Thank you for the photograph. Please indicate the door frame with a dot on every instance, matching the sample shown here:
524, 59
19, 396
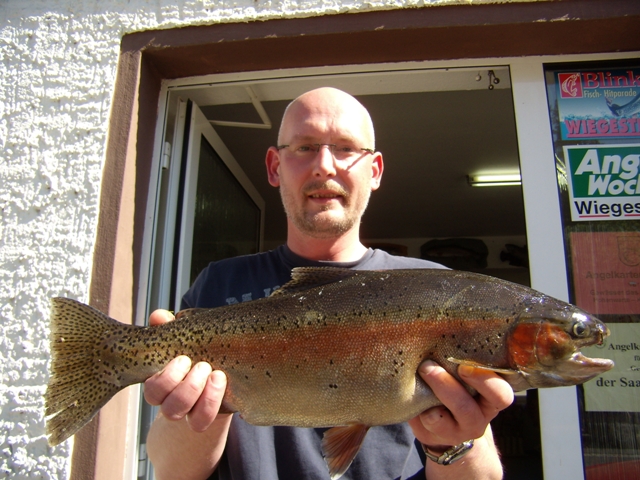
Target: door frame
559, 420
495, 33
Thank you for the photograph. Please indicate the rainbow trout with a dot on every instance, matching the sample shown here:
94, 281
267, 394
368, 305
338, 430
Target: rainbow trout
332, 348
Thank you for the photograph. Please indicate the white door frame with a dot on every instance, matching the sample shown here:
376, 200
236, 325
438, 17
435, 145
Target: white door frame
560, 429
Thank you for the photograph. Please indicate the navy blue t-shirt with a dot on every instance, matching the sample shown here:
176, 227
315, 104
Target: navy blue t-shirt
283, 453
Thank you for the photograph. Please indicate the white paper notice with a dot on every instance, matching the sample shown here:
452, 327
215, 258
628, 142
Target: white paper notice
617, 390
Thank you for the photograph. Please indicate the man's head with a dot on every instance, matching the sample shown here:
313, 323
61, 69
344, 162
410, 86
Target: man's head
325, 195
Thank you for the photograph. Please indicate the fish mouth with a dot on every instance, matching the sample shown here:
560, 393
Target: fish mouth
574, 370
588, 366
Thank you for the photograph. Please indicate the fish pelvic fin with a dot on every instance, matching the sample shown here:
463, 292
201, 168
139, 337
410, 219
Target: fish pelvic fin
77, 386
340, 445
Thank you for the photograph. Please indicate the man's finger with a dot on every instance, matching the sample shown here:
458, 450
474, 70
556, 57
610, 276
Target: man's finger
160, 316
186, 394
206, 408
160, 385
450, 392
458, 419
494, 393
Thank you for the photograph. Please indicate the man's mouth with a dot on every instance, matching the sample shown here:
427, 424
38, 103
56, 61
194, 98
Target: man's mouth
325, 195
324, 192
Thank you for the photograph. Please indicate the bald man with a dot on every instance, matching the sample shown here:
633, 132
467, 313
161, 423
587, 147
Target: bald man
326, 166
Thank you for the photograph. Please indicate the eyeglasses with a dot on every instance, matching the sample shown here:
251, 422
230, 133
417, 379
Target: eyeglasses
339, 152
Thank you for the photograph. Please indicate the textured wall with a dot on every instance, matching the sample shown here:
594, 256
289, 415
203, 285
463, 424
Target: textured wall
57, 70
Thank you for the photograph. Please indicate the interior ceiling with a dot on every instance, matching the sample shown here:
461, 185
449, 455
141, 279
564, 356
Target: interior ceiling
433, 129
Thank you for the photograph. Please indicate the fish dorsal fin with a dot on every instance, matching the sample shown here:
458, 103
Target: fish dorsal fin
304, 278
188, 312
340, 445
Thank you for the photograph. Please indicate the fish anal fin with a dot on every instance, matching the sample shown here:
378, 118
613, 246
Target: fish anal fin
188, 312
340, 445
474, 364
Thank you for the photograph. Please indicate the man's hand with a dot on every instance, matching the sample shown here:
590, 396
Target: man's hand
462, 417
188, 436
181, 389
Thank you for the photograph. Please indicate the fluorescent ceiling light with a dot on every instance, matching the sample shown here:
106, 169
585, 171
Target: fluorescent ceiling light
494, 180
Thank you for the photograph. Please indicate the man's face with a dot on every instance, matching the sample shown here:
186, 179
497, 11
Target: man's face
324, 197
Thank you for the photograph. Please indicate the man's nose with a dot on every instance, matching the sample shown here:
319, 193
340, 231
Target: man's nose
325, 163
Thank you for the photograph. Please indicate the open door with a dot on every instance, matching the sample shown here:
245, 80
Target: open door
208, 210
221, 214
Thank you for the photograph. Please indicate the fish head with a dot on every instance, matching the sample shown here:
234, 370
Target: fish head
544, 347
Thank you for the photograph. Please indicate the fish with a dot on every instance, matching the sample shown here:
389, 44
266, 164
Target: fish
334, 348
629, 108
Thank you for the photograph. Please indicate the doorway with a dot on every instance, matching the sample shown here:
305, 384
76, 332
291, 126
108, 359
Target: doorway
435, 127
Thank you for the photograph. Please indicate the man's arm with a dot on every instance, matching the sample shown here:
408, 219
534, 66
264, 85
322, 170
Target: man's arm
188, 437
462, 418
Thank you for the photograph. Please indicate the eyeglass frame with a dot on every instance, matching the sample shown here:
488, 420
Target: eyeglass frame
319, 145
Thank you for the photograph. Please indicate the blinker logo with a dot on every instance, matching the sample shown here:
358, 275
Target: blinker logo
570, 85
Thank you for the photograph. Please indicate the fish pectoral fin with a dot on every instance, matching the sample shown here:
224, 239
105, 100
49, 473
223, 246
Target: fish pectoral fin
188, 312
340, 445
471, 363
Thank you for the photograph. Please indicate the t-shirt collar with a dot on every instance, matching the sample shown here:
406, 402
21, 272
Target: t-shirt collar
293, 260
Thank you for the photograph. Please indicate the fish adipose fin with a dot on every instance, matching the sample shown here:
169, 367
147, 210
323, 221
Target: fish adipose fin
80, 384
304, 278
471, 363
188, 312
340, 445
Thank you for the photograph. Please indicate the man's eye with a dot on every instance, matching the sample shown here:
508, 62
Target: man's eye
345, 148
305, 148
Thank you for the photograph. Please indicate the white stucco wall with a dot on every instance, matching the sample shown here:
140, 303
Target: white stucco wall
57, 70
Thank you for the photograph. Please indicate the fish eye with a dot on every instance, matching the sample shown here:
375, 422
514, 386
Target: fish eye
581, 329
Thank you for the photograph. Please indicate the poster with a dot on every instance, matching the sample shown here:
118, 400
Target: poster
604, 181
599, 103
617, 390
606, 271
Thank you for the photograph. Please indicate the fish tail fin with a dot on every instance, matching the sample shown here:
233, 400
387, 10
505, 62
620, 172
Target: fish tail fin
77, 388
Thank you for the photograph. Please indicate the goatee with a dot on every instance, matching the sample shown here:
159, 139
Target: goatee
322, 224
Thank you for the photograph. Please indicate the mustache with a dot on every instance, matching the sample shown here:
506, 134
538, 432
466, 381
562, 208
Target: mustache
328, 186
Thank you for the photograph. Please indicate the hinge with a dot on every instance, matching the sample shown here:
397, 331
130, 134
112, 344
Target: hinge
142, 461
166, 155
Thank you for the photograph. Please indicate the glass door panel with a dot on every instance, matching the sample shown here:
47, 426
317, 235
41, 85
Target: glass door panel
227, 219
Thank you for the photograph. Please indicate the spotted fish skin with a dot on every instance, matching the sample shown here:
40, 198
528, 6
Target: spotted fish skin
333, 347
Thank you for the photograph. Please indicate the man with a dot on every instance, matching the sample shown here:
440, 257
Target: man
326, 167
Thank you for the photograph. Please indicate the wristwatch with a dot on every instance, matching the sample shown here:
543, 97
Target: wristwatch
450, 455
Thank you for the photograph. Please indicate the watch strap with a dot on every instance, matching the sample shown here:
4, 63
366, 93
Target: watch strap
450, 455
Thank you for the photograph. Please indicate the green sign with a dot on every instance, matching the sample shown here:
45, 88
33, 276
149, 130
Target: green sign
604, 181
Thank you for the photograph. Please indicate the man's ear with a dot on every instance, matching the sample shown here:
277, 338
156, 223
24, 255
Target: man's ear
272, 162
377, 167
